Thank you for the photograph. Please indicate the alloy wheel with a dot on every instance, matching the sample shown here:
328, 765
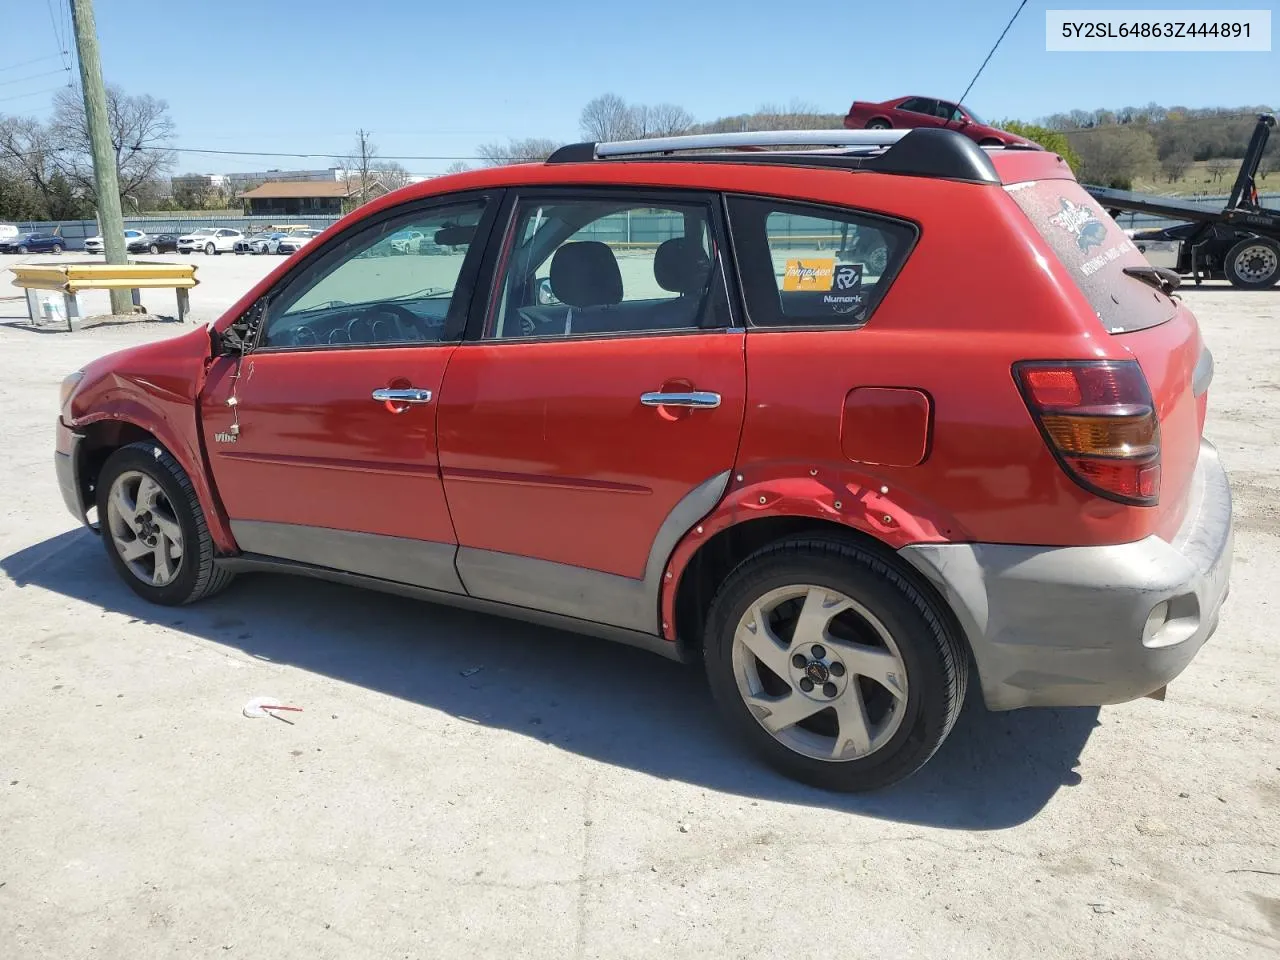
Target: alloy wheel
820, 673
144, 528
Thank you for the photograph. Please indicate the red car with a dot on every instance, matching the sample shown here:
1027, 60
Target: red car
775, 411
910, 112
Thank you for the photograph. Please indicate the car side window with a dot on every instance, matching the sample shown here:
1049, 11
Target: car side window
809, 265
602, 266
390, 283
918, 105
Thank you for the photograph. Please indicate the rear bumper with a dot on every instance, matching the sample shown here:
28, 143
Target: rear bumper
1084, 626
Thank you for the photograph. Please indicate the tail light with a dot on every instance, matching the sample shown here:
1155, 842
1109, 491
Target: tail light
1098, 418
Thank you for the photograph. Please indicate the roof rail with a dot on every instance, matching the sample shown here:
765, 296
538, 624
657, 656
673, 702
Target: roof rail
922, 151
753, 138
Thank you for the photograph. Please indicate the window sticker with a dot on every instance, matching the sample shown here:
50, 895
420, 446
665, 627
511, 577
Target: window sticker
808, 274
847, 295
1078, 220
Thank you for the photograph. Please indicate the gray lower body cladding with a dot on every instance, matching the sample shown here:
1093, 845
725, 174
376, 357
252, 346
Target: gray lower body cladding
1085, 626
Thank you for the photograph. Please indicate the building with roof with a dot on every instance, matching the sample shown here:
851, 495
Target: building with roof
297, 198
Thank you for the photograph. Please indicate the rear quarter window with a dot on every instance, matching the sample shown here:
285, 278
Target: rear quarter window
1095, 252
809, 265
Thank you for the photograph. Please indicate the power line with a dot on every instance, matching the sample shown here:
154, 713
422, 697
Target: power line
24, 63
993, 50
33, 93
35, 76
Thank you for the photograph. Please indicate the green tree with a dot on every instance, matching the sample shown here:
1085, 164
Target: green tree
1052, 140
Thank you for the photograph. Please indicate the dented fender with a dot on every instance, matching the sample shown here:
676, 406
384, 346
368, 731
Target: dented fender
156, 387
893, 515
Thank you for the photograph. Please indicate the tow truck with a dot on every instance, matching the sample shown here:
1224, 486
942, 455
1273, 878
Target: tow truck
1240, 242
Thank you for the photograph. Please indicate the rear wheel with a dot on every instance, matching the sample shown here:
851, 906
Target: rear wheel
877, 124
154, 528
1253, 263
832, 665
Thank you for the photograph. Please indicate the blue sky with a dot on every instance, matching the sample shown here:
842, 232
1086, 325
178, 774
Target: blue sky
437, 78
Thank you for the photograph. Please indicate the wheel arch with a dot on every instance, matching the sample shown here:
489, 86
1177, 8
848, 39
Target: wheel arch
755, 515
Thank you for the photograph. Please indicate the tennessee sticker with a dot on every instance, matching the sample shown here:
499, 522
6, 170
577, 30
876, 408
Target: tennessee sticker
808, 274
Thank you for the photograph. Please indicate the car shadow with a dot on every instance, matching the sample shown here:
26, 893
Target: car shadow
609, 703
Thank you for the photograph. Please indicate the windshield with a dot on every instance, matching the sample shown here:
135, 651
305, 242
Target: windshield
973, 116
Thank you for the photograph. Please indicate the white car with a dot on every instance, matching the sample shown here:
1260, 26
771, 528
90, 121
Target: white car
94, 244
292, 244
210, 240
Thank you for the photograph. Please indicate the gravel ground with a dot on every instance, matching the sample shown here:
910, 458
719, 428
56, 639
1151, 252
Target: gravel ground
458, 785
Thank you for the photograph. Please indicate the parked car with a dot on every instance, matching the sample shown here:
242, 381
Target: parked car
911, 112
33, 243
94, 244
263, 242
296, 241
210, 240
157, 243
820, 466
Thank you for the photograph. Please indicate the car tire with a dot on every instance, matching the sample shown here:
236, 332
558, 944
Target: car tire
146, 471
884, 624
210, 249
153, 248
1253, 263
56, 249
22, 249
878, 124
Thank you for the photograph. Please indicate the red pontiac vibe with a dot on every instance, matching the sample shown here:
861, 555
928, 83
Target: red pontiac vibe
909, 112
848, 425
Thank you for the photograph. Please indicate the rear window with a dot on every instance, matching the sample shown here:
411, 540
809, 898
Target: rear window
1095, 251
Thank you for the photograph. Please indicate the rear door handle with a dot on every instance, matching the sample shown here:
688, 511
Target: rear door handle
410, 395
696, 398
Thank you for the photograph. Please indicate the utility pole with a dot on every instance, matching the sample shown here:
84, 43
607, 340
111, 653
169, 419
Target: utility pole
105, 176
364, 166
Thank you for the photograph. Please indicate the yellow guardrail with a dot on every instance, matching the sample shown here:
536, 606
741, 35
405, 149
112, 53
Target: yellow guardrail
70, 278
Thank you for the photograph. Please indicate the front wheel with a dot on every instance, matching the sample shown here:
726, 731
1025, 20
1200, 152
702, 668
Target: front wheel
1253, 263
154, 248
56, 249
22, 249
154, 528
210, 249
832, 665
877, 124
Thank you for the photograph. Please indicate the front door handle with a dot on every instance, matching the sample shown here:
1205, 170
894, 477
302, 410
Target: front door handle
701, 399
410, 395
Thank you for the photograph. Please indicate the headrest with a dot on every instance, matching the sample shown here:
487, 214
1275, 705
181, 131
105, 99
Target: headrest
586, 274
681, 266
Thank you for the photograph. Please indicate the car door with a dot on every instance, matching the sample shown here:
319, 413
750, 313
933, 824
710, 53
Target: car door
322, 438
592, 416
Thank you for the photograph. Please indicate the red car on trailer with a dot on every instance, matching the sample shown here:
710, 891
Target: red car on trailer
905, 113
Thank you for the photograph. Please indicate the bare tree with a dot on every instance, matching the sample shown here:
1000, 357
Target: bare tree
608, 117
527, 150
1114, 157
28, 150
666, 119
141, 133
1175, 165
391, 176
1218, 168
458, 166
